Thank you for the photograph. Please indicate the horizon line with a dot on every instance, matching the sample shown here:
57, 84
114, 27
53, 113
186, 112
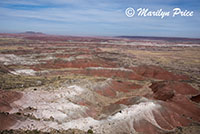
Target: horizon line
111, 36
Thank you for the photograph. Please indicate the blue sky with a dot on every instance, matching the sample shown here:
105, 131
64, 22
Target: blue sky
98, 17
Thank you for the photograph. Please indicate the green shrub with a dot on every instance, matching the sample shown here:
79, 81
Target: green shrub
90, 131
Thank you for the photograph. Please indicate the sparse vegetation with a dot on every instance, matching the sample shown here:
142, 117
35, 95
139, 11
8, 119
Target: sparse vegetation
90, 131
85, 81
70, 131
9, 81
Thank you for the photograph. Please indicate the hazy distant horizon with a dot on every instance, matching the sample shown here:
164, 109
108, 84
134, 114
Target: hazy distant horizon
98, 18
120, 36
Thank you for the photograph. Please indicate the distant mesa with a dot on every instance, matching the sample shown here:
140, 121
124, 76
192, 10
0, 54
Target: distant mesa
32, 32
154, 38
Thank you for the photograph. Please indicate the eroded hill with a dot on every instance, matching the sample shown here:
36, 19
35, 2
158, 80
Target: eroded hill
107, 86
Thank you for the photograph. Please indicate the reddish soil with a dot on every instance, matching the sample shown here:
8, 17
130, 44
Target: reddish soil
82, 63
164, 94
62, 55
7, 97
184, 106
127, 101
168, 119
178, 108
120, 86
107, 92
92, 112
157, 73
82, 50
166, 90
110, 74
179, 111
145, 127
110, 110
6, 120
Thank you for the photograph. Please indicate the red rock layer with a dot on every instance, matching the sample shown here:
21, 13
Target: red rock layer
7, 97
6, 120
157, 73
82, 63
112, 87
165, 90
177, 108
110, 73
185, 107
145, 127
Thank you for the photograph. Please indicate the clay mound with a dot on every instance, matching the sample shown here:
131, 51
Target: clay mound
6, 120
111, 109
177, 112
182, 105
157, 73
167, 89
7, 97
164, 94
137, 114
168, 119
111, 88
183, 88
146, 127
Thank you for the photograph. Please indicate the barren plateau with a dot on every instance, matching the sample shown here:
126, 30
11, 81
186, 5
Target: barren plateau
102, 85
